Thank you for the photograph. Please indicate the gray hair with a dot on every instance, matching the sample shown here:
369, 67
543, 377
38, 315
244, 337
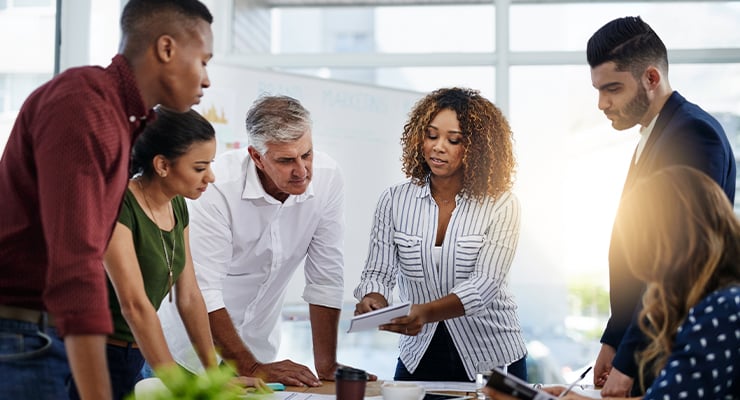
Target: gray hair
278, 119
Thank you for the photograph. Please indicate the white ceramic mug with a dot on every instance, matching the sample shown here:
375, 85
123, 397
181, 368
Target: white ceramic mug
149, 386
402, 391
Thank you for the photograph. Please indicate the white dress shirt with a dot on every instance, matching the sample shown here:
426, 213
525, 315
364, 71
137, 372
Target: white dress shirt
645, 132
246, 245
474, 263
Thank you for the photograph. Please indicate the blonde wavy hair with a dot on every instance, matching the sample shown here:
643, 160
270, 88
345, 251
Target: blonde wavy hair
488, 156
682, 237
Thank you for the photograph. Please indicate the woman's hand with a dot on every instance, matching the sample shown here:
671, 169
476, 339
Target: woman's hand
603, 364
371, 302
411, 324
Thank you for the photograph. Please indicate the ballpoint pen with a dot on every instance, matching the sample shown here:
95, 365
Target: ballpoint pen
583, 375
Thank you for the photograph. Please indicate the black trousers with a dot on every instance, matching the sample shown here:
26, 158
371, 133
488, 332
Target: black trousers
441, 362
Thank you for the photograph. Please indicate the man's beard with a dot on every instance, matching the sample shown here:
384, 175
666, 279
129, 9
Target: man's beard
633, 111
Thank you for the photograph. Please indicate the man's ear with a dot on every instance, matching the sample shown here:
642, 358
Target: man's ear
652, 78
165, 48
256, 157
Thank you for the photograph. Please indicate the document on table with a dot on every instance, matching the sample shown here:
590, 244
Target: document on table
584, 390
375, 318
446, 386
289, 396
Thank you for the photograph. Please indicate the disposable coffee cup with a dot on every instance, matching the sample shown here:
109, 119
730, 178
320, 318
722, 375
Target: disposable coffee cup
350, 383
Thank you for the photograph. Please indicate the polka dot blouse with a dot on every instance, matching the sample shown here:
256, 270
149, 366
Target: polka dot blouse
705, 362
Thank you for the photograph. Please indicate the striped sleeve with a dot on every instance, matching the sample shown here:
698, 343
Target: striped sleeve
496, 254
379, 274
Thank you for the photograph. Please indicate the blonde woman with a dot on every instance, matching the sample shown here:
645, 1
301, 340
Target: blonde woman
682, 238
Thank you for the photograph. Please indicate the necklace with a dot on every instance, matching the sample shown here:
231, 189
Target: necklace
167, 259
442, 201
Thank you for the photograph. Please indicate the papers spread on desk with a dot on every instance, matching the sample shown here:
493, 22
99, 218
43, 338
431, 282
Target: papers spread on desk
290, 396
584, 390
373, 319
446, 386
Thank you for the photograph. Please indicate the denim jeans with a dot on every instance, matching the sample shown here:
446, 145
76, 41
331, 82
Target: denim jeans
33, 362
124, 368
147, 371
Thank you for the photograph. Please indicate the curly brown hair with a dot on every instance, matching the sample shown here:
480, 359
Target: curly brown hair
488, 156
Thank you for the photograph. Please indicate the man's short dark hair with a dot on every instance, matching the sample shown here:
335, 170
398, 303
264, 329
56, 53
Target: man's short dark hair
628, 42
137, 11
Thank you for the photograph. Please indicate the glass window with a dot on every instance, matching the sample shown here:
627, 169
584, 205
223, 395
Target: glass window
419, 79
21, 85
426, 79
568, 26
560, 136
571, 168
3, 93
32, 3
435, 29
427, 29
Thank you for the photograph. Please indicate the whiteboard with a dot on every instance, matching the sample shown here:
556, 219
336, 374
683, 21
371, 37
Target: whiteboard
359, 126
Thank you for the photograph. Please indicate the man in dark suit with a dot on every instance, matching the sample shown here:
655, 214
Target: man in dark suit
629, 68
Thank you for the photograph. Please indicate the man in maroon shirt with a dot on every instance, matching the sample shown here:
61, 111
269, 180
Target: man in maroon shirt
62, 178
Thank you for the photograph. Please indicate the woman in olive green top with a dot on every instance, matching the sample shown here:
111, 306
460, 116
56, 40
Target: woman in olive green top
148, 259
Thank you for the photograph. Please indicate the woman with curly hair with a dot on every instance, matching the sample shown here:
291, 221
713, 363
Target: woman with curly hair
447, 237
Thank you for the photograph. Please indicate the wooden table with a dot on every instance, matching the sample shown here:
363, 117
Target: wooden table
372, 389
327, 387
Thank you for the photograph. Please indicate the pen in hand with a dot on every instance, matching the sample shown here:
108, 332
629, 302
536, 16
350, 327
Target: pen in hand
583, 375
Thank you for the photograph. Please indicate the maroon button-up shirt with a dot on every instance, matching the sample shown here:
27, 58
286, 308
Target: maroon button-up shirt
62, 178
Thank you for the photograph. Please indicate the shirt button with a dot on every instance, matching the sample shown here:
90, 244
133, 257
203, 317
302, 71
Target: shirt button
132, 119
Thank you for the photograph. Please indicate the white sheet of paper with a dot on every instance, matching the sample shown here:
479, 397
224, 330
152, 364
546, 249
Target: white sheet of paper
291, 396
373, 319
446, 386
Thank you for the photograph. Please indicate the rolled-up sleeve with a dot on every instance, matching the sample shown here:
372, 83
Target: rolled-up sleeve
379, 274
324, 267
494, 259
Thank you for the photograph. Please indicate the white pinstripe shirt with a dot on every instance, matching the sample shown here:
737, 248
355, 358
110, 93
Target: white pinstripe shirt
477, 252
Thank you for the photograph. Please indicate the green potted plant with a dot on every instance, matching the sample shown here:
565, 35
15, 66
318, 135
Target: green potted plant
215, 384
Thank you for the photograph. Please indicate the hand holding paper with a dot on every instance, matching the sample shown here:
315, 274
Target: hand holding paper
373, 319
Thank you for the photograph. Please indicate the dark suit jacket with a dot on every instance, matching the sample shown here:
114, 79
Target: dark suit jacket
684, 134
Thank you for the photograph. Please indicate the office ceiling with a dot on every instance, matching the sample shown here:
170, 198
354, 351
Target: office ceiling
336, 3
355, 3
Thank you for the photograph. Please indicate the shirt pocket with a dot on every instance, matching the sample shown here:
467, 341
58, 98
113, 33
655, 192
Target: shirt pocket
467, 249
408, 250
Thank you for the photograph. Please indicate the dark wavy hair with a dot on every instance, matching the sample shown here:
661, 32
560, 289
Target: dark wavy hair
628, 42
488, 156
171, 135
